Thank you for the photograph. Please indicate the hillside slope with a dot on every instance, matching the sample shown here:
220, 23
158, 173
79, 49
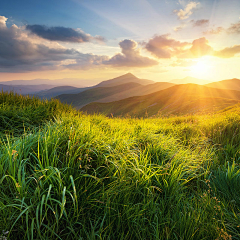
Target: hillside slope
233, 84
124, 79
67, 175
53, 92
138, 91
179, 99
94, 94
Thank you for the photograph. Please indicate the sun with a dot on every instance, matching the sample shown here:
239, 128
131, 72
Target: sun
202, 69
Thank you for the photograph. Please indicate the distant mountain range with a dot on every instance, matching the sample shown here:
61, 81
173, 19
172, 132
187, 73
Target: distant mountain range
113, 90
190, 80
177, 100
94, 94
75, 82
53, 92
130, 95
137, 91
25, 89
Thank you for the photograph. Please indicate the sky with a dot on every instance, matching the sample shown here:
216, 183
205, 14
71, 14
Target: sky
159, 40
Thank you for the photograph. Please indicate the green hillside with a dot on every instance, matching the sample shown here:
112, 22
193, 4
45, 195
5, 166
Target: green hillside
74, 176
178, 100
19, 113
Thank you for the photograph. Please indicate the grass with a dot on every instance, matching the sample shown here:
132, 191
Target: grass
74, 176
18, 112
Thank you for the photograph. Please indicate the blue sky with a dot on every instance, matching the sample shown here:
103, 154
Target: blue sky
91, 39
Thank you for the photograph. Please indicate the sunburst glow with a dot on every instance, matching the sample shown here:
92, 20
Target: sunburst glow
202, 69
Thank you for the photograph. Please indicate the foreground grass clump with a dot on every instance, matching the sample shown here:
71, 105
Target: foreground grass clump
18, 113
91, 177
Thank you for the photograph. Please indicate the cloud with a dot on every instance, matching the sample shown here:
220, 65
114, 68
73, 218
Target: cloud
234, 28
212, 31
228, 52
179, 28
3, 21
197, 23
200, 23
19, 52
201, 48
62, 34
165, 47
183, 63
130, 56
22, 51
187, 11
86, 61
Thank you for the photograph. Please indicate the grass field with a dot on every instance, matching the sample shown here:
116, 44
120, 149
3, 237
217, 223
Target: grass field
66, 175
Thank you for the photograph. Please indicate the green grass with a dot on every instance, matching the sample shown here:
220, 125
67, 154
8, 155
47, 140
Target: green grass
74, 176
19, 113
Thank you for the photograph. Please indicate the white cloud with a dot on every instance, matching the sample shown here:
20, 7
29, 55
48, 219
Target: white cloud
187, 11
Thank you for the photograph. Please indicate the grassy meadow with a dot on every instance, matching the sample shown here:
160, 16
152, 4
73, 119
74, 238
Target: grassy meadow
67, 175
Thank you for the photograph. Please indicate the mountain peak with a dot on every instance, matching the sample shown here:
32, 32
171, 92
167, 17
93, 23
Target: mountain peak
126, 78
129, 75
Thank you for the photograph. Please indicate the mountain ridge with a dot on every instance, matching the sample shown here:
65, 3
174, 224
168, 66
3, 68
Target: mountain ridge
172, 100
233, 84
93, 94
128, 77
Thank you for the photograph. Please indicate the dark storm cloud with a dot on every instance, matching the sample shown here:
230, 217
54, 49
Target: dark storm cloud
62, 34
130, 56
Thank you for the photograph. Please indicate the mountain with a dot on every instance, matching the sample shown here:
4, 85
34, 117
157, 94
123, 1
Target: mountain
127, 89
137, 91
190, 80
109, 94
81, 83
76, 82
177, 100
233, 84
53, 92
24, 89
94, 94
45, 88
126, 78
